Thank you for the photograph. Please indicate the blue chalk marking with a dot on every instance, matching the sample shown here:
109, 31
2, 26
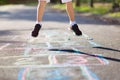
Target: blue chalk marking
28, 75
87, 37
105, 60
48, 44
88, 73
93, 74
94, 44
77, 51
59, 78
21, 73
27, 51
23, 69
57, 75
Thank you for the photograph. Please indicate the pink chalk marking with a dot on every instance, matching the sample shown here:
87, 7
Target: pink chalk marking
20, 49
101, 61
77, 60
86, 71
24, 73
55, 61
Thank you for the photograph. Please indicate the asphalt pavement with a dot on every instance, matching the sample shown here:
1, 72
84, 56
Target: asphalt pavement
56, 54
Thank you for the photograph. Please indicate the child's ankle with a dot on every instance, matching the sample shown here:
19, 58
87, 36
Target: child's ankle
37, 22
72, 23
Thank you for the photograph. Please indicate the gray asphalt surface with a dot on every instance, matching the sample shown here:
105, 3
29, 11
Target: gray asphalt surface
56, 54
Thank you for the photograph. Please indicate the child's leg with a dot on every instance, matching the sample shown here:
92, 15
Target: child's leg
70, 11
69, 8
40, 11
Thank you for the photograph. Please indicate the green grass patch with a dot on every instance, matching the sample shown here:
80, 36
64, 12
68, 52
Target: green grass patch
83, 9
95, 10
98, 9
58, 6
31, 4
116, 14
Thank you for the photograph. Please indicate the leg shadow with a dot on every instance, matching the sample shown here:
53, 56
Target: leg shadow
107, 49
79, 52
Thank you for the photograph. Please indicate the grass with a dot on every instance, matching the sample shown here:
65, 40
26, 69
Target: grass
98, 9
31, 4
83, 9
58, 6
116, 14
95, 10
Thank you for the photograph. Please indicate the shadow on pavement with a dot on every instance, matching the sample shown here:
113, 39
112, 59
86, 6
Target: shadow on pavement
11, 41
7, 32
12, 31
30, 15
79, 52
19, 14
104, 48
4, 13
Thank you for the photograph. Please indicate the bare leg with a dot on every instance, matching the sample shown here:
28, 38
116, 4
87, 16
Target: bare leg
70, 11
74, 27
40, 10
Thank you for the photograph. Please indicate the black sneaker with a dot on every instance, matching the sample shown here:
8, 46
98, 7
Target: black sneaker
76, 30
35, 32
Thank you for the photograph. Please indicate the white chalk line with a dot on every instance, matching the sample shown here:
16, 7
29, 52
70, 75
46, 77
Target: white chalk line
28, 49
7, 44
39, 55
94, 44
87, 37
47, 66
48, 48
4, 46
84, 36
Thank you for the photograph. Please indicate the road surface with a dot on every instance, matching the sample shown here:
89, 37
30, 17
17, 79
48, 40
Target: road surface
56, 54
